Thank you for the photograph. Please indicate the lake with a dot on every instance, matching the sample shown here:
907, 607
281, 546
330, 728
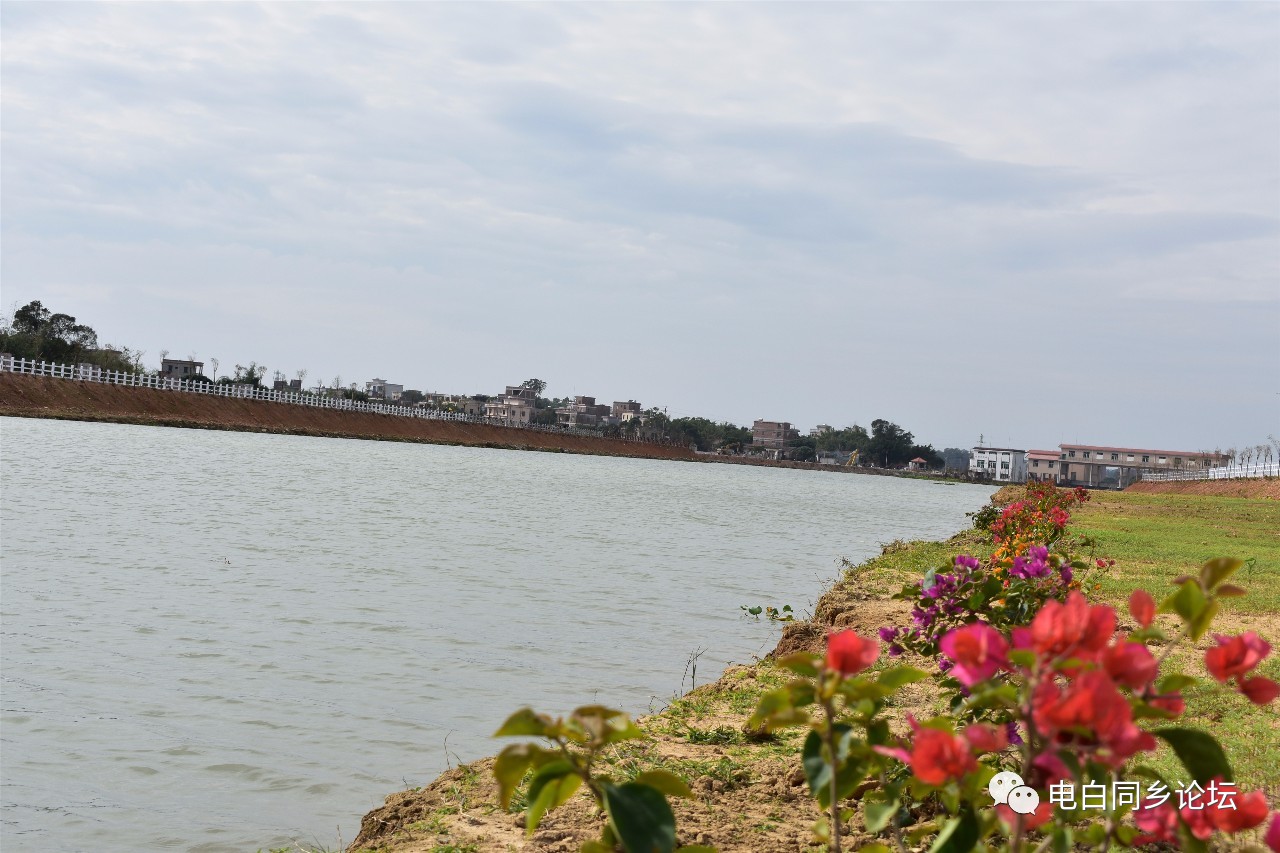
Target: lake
219, 641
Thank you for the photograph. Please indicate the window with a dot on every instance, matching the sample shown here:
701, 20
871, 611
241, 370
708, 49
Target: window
1162, 460
1177, 460
1146, 458
1035, 463
1129, 458
1051, 464
1115, 456
1086, 454
1071, 453
991, 464
1004, 466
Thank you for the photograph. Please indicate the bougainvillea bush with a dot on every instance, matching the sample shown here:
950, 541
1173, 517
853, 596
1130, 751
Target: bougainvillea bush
1089, 703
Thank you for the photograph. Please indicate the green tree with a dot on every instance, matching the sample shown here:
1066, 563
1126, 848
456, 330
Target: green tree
412, 396
890, 444
536, 385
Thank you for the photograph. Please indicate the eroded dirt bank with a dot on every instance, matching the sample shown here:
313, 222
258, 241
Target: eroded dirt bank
44, 397
1260, 487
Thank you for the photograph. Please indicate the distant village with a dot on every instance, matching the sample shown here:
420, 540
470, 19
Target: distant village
34, 332
1091, 466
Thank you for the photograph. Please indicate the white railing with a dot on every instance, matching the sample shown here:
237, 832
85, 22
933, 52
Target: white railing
1227, 472
93, 373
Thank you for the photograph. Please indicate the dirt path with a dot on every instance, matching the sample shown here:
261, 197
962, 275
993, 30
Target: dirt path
44, 397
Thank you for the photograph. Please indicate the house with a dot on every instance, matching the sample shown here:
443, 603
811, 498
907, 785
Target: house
1117, 467
516, 405
772, 435
582, 412
1002, 464
176, 368
459, 403
381, 389
1042, 465
294, 385
918, 464
628, 411
820, 429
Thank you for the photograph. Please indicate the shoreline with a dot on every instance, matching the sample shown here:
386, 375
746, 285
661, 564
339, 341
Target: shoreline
47, 398
751, 794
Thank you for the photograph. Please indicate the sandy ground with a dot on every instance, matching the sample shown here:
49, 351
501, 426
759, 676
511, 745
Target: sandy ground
44, 397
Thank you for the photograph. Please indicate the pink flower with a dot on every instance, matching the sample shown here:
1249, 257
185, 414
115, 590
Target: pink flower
1250, 810
850, 654
1041, 815
1142, 607
1072, 629
1235, 655
979, 652
1159, 823
1273, 833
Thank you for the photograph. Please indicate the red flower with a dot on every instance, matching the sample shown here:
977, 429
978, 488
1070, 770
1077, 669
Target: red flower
1250, 810
1171, 702
1259, 690
1235, 655
1072, 629
1091, 708
938, 756
1273, 834
850, 654
1158, 823
984, 737
1130, 664
1199, 821
1142, 607
979, 651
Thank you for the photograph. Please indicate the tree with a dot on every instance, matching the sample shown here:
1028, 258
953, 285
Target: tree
801, 453
251, 375
955, 459
412, 396
535, 385
36, 333
890, 444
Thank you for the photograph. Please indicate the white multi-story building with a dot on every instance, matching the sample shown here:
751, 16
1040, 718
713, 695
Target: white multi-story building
515, 406
381, 389
1002, 464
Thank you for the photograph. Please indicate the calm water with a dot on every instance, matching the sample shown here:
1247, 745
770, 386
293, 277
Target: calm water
224, 641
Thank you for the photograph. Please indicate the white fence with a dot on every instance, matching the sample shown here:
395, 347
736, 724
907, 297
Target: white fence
93, 373
1230, 472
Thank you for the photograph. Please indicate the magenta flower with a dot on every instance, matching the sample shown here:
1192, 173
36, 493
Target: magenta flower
979, 651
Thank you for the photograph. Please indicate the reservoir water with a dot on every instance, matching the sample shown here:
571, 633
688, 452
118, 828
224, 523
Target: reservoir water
219, 641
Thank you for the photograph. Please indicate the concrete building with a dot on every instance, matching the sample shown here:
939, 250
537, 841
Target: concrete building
583, 412
176, 368
381, 389
1117, 467
516, 405
772, 435
1002, 464
627, 411
819, 430
294, 385
1042, 465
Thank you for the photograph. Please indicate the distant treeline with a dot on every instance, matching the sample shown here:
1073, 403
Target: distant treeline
34, 332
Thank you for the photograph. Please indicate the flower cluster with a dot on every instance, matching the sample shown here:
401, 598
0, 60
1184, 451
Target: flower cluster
1038, 520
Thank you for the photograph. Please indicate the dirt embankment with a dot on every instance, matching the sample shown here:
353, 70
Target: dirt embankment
44, 397
1259, 487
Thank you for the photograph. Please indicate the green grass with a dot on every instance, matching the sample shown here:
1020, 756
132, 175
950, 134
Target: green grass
1155, 538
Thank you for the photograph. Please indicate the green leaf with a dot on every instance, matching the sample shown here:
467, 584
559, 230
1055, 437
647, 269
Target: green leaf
1199, 624
877, 813
875, 847
666, 782
801, 663
1062, 839
509, 768
594, 846
1187, 602
1199, 753
1175, 681
606, 725
817, 769
551, 786
525, 722
1216, 571
958, 835
641, 818
1023, 657
900, 676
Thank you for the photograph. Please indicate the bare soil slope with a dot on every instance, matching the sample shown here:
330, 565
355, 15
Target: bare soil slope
1261, 487
44, 397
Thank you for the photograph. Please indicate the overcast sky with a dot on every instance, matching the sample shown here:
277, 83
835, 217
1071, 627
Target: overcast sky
1035, 222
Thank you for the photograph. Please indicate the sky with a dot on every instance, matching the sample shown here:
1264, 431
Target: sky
1035, 223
